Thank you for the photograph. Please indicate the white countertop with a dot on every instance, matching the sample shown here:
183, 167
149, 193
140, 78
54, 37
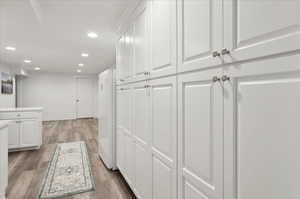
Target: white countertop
4, 123
21, 109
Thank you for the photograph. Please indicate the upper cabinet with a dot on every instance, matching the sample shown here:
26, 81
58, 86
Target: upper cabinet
124, 56
255, 29
199, 34
140, 42
163, 37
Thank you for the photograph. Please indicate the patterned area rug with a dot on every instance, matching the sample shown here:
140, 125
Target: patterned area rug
68, 173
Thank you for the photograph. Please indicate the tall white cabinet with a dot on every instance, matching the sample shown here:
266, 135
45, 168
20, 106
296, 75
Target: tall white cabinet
208, 109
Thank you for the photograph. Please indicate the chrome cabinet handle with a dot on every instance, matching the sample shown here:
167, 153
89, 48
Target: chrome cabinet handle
225, 78
216, 54
225, 51
146, 73
215, 79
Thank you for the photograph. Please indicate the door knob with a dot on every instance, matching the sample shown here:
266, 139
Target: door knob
215, 79
216, 54
225, 51
225, 78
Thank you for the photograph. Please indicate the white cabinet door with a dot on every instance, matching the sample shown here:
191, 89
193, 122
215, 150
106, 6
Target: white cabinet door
124, 101
262, 131
163, 37
128, 54
123, 126
14, 134
260, 28
163, 122
200, 136
200, 33
129, 159
121, 151
119, 60
29, 133
141, 42
143, 169
141, 114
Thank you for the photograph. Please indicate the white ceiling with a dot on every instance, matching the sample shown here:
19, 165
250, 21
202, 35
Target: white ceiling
52, 33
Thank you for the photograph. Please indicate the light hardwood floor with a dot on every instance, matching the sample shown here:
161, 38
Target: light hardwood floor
26, 169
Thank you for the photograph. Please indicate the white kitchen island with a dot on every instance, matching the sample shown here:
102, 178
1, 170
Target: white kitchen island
25, 129
3, 157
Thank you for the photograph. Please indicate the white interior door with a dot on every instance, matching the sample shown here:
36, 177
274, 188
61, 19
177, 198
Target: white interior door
84, 101
200, 136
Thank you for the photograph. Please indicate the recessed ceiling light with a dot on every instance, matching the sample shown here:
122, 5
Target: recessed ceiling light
84, 54
92, 35
27, 61
80, 65
37, 68
10, 48
78, 71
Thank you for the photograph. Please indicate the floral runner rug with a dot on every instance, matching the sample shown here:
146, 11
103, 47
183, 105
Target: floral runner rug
68, 173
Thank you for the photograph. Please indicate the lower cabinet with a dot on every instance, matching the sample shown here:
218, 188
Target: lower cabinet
238, 133
152, 143
261, 129
24, 131
200, 127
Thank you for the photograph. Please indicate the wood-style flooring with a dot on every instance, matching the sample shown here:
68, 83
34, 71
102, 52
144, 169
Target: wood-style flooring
26, 169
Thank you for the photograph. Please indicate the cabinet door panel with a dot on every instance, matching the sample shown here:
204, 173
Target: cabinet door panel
13, 134
163, 37
164, 137
200, 135
121, 151
141, 112
141, 50
143, 171
28, 133
256, 28
163, 180
262, 141
124, 113
163, 115
130, 165
200, 33
190, 192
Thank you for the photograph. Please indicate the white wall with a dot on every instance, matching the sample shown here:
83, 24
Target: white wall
56, 93
7, 101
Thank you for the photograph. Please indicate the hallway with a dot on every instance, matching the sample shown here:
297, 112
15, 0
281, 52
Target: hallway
26, 169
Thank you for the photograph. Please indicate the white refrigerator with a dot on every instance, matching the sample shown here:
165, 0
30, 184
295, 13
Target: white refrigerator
106, 118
